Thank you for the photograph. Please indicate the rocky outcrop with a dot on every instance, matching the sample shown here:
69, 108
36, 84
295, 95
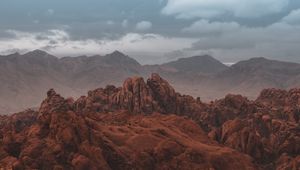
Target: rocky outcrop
59, 137
148, 125
282, 104
163, 93
135, 96
262, 136
138, 96
264, 129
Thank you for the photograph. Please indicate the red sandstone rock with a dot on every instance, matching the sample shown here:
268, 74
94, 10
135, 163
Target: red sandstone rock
263, 140
136, 96
63, 139
147, 125
286, 162
283, 104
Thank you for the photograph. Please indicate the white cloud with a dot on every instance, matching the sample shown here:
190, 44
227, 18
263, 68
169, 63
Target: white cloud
279, 34
277, 41
215, 8
293, 18
231, 40
143, 25
204, 27
147, 48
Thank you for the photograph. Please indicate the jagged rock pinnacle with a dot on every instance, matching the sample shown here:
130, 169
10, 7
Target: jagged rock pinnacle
51, 93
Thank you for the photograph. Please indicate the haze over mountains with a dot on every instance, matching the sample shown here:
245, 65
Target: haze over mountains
25, 78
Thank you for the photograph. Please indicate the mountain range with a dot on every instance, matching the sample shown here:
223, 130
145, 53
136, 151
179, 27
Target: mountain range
24, 77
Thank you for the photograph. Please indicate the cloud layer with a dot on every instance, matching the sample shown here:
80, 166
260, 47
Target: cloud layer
278, 40
58, 42
204, 27
216, 8
143, 25
154, 31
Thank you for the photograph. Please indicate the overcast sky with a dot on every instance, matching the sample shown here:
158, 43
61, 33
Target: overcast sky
154, 31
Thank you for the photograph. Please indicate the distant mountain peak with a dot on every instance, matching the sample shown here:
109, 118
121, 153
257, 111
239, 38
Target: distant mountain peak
259, 59
198, 64
262, 62
37, 52
117, 53
35, 55
121, 58
14, 54
206, 56
197, 57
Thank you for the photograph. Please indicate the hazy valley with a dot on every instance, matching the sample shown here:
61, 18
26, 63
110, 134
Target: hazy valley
25, 78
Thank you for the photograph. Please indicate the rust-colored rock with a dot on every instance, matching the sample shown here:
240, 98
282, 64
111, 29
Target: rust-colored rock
282, 104
148, 125
286, 162
64, 139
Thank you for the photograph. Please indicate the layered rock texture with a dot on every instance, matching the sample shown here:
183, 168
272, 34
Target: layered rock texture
148, 125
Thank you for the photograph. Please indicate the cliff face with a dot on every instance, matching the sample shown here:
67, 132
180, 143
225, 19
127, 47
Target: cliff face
147, 125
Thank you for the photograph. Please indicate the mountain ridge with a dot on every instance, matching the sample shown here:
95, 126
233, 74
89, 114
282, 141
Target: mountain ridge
208, 65
38, 71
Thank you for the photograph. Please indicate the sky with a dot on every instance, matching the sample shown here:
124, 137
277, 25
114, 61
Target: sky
153, 31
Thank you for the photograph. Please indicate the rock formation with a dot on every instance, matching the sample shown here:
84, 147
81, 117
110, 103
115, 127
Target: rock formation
148, 125
58, 137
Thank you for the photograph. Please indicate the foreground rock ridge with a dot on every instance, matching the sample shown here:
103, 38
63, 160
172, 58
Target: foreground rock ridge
148, 125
